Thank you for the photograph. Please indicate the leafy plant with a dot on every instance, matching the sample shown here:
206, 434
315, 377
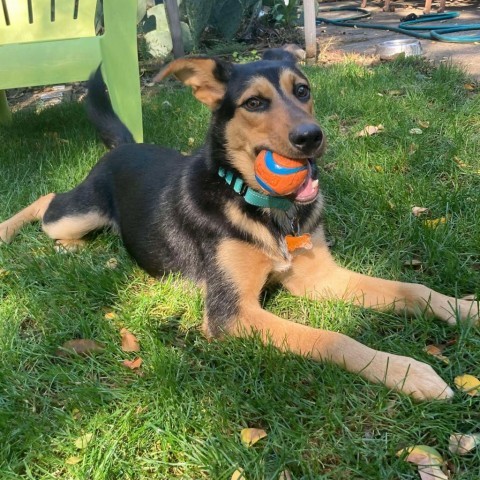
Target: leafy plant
284, 13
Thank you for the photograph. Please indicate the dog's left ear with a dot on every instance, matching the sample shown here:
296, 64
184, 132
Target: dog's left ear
289, 53
207, 76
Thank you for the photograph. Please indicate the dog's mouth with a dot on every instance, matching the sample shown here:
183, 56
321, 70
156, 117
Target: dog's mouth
308, 190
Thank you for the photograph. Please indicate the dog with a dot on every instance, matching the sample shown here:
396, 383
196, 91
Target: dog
206, 215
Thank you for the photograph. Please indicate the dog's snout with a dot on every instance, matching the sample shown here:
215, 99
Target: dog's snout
306, 137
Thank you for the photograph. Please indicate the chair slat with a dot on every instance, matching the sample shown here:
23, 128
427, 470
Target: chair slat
43, 28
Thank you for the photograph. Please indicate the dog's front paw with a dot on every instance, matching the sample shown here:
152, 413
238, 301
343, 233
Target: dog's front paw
414, 378
452, 309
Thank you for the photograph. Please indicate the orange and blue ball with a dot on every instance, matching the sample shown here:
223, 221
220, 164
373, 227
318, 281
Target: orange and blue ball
279, 175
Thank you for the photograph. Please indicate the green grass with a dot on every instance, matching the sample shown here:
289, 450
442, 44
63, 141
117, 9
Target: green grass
183, 417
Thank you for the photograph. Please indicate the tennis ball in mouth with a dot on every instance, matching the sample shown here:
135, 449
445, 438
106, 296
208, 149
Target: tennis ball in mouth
280, 175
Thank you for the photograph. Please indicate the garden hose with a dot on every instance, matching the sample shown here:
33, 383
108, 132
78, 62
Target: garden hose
409, 27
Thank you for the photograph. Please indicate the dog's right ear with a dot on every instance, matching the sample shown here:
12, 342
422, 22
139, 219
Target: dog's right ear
208, 77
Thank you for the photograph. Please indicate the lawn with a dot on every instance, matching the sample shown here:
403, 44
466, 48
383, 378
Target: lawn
182, 417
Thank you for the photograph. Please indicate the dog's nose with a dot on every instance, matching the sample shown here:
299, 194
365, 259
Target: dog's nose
307, 137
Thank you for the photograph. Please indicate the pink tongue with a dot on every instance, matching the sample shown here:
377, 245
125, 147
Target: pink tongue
307, 190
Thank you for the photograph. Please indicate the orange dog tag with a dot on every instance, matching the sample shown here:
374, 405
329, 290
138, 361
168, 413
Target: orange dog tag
302, 241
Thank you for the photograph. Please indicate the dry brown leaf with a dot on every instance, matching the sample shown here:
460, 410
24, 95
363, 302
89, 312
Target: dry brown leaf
238, 474
423, 124
459, 162
435, 222
378, 168
469, 86
394, 93
112, 263
469, 384
461, 444
133, 364
4, 273
250, 436
436, 352
80, 346
429, 461
416, 131
83, 441
413, 263
73, 460
110, 315
285, 475
417, 211
370, 130
129, 341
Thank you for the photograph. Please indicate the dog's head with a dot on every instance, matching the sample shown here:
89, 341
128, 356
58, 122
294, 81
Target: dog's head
263, 105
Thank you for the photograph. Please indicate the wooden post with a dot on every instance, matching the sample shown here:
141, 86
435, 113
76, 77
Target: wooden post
310, 30
173, 18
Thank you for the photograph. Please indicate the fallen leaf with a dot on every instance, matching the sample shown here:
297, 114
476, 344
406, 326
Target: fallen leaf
191, 141
133, 364
417, 211
461, 444
436, 352
285, 475
435, 222
459, 162
73, 460
423, 124
416, 131
469, 86
238, 474
4, 273
412, 148
250, 436
370, 130
110, 315
83, 441
394, 93
428, 460
112, 263
469, 384
129, 341
80, 346
413, 263
378, 168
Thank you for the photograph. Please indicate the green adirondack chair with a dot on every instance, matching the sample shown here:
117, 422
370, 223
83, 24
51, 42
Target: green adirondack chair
45, 42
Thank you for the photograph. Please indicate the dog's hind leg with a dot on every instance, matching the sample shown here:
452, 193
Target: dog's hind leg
233, 307
66, 217
34, 212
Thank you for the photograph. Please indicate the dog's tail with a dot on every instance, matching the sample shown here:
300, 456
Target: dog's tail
100, 112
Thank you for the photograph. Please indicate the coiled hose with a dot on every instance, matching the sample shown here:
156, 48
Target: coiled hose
413, 27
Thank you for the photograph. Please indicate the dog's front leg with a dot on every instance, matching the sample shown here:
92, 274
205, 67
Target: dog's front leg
232, 307
315, 274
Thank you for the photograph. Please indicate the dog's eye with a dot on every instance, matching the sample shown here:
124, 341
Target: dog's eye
302, 92
253, 104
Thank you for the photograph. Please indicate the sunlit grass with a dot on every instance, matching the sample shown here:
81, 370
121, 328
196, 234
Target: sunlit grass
183, 417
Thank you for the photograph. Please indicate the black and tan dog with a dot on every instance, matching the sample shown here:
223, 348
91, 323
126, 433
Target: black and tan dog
205, 216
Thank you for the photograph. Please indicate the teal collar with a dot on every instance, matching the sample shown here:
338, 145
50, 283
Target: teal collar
252, 196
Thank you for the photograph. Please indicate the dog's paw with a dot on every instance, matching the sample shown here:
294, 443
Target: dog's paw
414, 378
6, 233
69, 246
452, 310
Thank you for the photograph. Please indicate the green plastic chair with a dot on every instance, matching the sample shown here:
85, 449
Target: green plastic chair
45, 42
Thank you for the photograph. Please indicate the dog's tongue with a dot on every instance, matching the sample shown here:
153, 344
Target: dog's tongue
307, 191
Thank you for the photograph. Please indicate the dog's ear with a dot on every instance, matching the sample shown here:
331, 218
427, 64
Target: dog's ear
290, 53
208, 77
